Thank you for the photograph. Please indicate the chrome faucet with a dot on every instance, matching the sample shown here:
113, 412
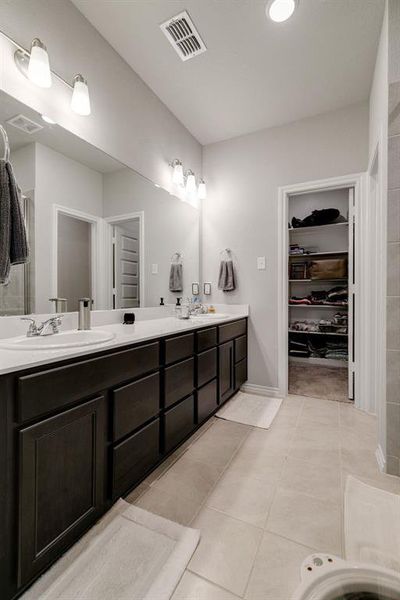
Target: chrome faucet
48, 327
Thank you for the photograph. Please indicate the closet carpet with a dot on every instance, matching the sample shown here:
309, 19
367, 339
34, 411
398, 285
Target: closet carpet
319, 382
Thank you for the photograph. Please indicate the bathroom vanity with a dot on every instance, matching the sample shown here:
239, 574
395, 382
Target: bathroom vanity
79, 432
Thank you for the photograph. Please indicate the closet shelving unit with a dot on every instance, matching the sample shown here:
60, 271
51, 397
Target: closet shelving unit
330, 241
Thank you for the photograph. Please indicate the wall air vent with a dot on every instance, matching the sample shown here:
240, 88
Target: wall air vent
183, 36
24, 124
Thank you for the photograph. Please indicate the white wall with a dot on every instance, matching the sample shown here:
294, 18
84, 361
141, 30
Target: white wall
59, 180
243, 175
378, 142
128, 120
170, 226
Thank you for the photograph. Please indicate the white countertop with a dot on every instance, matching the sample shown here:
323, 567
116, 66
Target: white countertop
141, 331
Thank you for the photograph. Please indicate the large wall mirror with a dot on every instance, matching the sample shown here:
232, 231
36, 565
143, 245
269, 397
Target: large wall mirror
96, 228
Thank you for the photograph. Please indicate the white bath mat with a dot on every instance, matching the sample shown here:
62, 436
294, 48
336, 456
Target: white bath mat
251, 409
371, 524
130, 554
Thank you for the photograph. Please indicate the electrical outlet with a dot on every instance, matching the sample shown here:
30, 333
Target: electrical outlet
261, 263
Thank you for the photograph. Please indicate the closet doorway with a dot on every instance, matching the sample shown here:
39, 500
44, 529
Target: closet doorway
319, 289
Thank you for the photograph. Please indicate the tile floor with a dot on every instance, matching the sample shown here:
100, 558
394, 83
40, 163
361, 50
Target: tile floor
264, 499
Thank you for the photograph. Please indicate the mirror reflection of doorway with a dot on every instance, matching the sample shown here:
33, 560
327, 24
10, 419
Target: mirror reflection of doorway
74, 260
126, 264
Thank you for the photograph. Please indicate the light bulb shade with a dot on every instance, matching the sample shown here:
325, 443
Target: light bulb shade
190, 183
177, 175
80, 101
280, 10
39, 66
202, 191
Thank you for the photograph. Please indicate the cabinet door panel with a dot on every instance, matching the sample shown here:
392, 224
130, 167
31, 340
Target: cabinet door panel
206, 366
134, 457
178, 348
240, 348
240, 373
134, 404
207, 401
226, 374
231, 330
206, 339
178, 423
179, 381
61, 487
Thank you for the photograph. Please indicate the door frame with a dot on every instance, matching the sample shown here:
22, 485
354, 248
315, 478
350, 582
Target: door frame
95, 250
108, 236
358, 181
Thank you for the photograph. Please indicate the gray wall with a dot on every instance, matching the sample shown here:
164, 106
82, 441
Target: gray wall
241, 212
393, 245
74, 260
128, 120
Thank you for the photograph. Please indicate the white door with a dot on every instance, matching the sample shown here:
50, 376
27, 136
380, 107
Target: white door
352, 294
126, 265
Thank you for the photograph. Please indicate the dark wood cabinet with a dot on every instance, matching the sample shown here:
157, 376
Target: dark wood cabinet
178, 423
134, 457
179, 381
207, 401
77, 434
206, 366
226, 371
61, 486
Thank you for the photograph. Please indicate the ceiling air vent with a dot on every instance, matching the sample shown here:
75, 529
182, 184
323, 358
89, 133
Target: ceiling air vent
24, 124
183, 36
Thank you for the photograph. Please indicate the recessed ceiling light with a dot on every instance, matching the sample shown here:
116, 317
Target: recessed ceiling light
280, 10
47, 119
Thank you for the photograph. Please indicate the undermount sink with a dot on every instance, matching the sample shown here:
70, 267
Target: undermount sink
64, 339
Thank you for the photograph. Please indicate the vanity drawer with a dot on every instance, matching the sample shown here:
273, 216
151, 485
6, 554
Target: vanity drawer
179, 381
207, 400
240, 373
231, 330
240, 348
135, 404
178, 348
47, 391
206, 366
206, 339
178, 423
134, 457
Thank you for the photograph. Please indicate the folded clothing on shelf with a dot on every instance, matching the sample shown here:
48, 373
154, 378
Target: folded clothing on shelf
325, 216
337, 296
321, 326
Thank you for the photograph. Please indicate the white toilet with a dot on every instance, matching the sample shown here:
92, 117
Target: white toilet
327, 577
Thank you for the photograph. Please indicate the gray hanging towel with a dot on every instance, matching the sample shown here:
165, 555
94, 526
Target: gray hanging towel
13, 243
226, 278
176, 278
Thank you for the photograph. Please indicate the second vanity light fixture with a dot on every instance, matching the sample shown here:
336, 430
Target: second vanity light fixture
35, 65
187, 179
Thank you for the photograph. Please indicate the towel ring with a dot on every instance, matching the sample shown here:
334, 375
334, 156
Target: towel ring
4, 135
177, 256
227, 251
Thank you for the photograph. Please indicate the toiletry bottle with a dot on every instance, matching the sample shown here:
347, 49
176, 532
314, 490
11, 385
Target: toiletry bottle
178, 308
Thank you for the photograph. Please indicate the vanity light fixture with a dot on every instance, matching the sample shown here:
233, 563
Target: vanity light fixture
80, 101
202, 190
177, 175
280, 10
39, 65
47, 119
190, 182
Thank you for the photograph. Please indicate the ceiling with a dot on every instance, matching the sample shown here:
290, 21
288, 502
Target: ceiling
255, 73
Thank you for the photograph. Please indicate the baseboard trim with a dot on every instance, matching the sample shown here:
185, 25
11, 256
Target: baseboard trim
380, 459
261, 390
